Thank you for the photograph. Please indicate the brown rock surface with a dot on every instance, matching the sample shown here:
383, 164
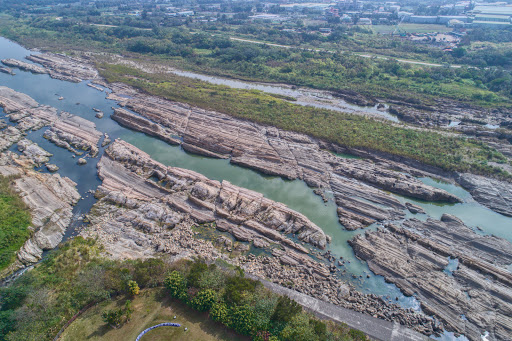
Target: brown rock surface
24, 65
276, 152
64, 67
477, 298
49, 198
66, 130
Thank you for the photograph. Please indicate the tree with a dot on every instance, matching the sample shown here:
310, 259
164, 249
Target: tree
177, 285
117, 317
242, 319
219, 312
285, 309
237, 288
194, 276
113, 317
204, 300
133, 288
299, 329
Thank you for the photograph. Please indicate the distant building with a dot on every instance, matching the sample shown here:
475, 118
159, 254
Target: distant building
185, 13
421, 19
268, 17
364, 21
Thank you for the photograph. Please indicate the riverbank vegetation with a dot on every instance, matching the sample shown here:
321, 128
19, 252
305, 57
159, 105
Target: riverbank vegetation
450, 153
247, 307
14, 222
39, 303
209, 49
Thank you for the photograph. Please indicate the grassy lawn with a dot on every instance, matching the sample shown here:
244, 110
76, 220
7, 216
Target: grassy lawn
411, 28
151, 307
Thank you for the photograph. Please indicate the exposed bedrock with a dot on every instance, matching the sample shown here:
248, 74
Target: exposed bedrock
146, 208
497, 195
276, 152
64, 67
49, 198
239, 210
444, 112
57, 66
66, 130
24, 66
474, 298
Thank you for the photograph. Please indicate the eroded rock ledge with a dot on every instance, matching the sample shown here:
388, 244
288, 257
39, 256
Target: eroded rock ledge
50, 199
244, 213
277, 152
474, 298
146, 208
68, 131
65, 67
57, 66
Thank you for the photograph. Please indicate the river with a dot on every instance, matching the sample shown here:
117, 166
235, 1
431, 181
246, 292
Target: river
79, 99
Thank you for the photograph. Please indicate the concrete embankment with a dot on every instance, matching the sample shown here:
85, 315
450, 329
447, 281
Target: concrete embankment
375, 328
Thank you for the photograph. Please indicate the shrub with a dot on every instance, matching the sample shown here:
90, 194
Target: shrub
204, 300
177, 285
219, 312
285, 309
241, 319
194, 276
133, 288
237, 288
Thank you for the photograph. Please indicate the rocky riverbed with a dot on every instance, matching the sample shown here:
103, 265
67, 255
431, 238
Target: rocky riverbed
277, 152
49, 197
146, 208
473, 299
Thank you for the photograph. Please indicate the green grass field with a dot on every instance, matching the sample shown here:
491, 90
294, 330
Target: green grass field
151, 307
411, 28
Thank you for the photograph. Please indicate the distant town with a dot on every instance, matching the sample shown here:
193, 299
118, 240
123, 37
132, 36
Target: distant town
439, 23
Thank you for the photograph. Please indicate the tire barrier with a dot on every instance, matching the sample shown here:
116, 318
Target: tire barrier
165, 324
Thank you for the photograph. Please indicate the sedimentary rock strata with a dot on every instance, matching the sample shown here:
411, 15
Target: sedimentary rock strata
146, 208
275, 152
24, 66
475, 299
204, 200
497, 195
68, 131
49, 198
64, 67
33, 152
7, 70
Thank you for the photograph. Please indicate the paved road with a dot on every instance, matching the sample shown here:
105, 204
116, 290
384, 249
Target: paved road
375, 328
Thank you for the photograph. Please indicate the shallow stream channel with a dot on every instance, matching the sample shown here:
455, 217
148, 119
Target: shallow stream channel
80, 99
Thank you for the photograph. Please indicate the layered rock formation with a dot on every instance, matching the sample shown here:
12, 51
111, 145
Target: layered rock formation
24, 66
50, 199
486, 191
244, 213
68, 131
57, 66
473, 299
146, 208
277, 152
64, 67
